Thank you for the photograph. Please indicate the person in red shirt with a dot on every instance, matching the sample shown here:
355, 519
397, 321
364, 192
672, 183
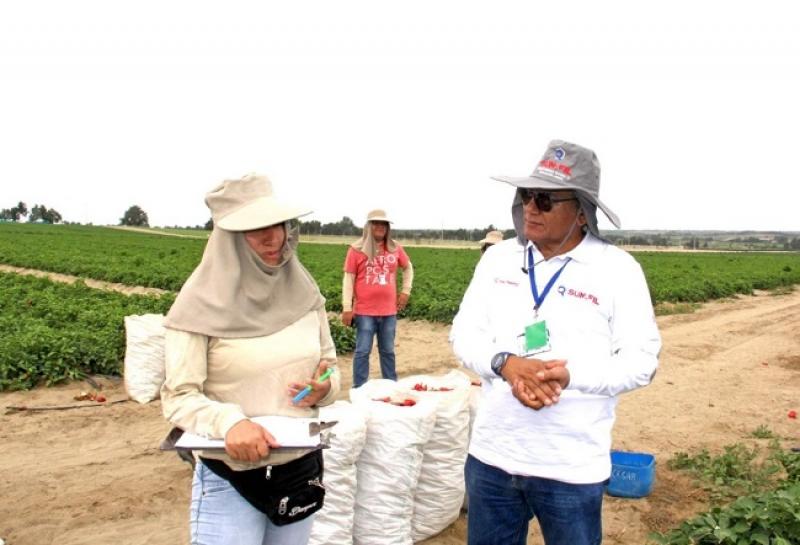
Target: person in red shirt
369, 294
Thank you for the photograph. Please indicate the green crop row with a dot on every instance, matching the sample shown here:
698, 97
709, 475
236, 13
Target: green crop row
696, 277
113, 255
54, 331
81, 330
440, 279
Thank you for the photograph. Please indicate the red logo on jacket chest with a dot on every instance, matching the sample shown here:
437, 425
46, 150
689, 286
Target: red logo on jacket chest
579, 294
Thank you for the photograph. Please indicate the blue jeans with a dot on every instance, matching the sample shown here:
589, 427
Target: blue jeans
366, 329
501, 505
220, 516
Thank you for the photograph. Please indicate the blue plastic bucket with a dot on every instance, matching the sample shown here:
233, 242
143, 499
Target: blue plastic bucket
632, 474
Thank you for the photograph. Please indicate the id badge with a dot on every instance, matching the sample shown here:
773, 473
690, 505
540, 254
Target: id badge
535, 339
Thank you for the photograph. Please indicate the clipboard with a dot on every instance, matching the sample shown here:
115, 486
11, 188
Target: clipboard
288, 431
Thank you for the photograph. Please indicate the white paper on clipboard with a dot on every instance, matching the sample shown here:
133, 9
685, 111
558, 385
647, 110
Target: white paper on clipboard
287, 431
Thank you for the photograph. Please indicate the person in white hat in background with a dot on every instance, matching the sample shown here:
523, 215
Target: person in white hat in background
558, 323
246, 333
491, 238
369, 294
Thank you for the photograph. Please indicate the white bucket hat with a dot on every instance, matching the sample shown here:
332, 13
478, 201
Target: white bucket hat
248, 203
378, 215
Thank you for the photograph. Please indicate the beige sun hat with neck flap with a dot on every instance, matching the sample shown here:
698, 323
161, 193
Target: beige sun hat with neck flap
233, 293
249, 203
366, 243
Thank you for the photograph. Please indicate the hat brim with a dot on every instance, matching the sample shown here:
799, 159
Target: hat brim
387, 220
262, 212
534, 182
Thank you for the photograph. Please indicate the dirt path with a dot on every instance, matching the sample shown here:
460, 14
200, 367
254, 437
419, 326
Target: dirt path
95, 475
151, 231
98, 284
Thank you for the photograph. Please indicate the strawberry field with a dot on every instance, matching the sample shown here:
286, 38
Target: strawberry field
53, 332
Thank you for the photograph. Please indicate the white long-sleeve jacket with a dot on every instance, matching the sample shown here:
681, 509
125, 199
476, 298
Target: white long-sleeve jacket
600, 319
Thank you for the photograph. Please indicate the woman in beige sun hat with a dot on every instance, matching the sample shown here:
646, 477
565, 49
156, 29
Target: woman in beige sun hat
246, 333
370, 300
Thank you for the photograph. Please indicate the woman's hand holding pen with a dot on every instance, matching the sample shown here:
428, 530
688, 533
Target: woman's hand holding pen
318, 388
247, 441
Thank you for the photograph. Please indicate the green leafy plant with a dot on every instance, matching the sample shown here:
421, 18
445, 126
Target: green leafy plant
54, 332
733, 472
769, 518
788, 460
344, 338
762, 432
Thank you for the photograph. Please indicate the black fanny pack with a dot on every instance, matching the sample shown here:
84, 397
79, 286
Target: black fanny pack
285, 493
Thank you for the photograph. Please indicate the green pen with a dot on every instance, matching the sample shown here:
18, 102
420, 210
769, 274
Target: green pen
307, 390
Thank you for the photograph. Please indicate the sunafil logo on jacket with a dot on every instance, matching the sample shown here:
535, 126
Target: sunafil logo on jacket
571, 292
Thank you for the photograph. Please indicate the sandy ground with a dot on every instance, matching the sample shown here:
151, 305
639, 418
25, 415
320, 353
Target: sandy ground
97, 284
95, 474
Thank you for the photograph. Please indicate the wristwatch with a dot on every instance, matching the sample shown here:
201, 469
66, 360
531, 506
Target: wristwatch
499, 361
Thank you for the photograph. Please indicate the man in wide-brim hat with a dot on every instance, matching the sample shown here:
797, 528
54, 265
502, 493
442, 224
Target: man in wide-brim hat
558, 323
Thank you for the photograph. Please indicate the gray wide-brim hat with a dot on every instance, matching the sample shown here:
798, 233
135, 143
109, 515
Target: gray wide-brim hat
249, 203
567, 166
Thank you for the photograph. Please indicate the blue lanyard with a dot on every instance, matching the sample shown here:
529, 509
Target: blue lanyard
538, 300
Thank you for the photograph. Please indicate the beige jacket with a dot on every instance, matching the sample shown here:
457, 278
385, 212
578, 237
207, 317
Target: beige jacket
213, 383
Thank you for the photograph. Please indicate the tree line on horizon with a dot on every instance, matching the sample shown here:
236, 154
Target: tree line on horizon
39, 213
135, 216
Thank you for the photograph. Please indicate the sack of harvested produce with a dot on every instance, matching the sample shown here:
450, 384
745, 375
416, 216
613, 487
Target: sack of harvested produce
399, 424
333, 524
144, 356
474, 401
440, 489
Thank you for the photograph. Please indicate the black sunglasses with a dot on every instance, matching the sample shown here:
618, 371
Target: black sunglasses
544, 199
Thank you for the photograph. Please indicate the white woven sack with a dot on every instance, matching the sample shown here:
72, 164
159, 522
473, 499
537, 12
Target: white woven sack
440, 489
474, 401
333, 524
389, 465
144, 356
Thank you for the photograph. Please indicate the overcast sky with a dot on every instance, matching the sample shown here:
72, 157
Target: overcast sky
692, 107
